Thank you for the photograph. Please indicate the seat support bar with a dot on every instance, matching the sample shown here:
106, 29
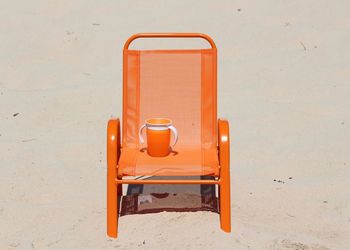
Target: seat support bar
201, 182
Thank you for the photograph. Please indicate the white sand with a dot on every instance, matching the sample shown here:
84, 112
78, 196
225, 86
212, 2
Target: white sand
284, 73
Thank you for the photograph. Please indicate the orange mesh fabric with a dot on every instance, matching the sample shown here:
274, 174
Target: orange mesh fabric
175, 84
183, 162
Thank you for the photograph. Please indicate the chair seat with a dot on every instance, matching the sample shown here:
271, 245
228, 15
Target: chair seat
181, 162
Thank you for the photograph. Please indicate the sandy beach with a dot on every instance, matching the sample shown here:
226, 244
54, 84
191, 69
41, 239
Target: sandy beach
283, 83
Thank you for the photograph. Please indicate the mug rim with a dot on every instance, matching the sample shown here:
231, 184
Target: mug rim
159, 122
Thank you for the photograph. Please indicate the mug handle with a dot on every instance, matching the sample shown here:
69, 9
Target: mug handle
140, 133
174, 130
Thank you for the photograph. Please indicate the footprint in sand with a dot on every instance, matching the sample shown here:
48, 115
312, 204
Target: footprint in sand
289, 245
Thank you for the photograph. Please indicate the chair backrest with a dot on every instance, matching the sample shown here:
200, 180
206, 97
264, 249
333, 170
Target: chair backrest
175, 84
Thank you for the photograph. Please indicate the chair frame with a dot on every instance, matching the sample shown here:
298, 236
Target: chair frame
114, 183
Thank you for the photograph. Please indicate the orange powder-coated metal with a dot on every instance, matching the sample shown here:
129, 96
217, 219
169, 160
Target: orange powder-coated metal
197, 182
113, 153
179, 85
164, 35
224, 194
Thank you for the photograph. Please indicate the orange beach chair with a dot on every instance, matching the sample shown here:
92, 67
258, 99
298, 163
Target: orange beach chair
180, 85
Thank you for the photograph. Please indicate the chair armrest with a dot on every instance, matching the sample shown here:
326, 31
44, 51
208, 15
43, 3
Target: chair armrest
113, 153
113, 142
224, 160
224, 145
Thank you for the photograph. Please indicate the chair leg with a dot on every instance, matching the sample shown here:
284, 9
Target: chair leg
120, 190
112, 210
120, 196
225, 204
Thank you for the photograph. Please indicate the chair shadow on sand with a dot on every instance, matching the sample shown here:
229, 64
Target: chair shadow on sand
153, 198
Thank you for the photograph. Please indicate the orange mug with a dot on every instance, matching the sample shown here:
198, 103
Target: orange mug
158, 136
